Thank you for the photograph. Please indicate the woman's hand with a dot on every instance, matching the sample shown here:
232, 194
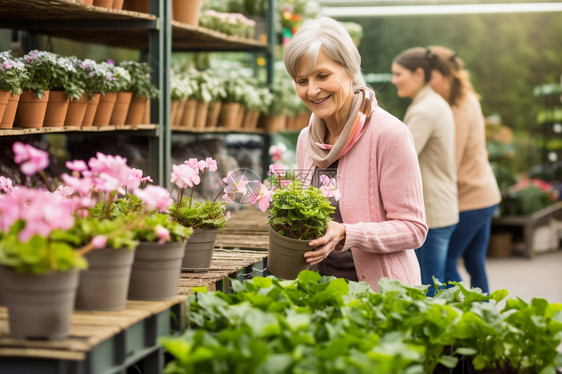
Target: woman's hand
335, 233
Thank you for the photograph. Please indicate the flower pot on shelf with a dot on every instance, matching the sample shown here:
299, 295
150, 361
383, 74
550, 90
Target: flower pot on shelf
76, 111
251, 119
241, 114
274, 123
39, 306
213, 116
31, 110
105, 108
188, 116
186, 11
121, 108
201, 115
285, 255
7, 120
228, 116
105, 284
91, 110
117, 4
87, 2
137, 109
4, 96
103, 3
156, 269
175, 112
142, 6
57, 106
199, 250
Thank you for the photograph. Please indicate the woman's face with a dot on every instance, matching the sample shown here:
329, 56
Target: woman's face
327, 91
440, 84
408, 83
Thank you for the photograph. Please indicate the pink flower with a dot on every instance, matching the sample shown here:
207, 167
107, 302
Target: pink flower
63, 191
31, 159
184, 176
137, 173
192, 162
6, 184
235, 184
262, 198
277, 170
276, 151
162, 233
227, 215
155, 197
328, 187
211, 164
99, 241
77, 165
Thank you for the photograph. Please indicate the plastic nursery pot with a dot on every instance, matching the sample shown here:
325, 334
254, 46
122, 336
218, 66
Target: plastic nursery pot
285, 255
199, 250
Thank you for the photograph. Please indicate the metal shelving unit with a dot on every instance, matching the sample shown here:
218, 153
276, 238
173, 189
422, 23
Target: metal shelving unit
155, 33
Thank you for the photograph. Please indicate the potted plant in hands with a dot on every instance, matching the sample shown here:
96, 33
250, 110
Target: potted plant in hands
161, 248
142, 88
297, 215
205, 217
38, 270
12, 73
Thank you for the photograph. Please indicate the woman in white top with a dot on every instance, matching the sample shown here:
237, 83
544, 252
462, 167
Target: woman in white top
431, 123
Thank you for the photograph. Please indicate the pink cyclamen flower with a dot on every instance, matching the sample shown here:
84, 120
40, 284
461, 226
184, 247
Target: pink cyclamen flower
77, 165
162, 233
99, 241
6, 184
155, 197
235, 184
193, 163
276, 151
277, 170
184, 176
30, 159
262, 198
211, 164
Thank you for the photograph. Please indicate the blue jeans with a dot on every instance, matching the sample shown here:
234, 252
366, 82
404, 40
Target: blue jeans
432, 255
470, 240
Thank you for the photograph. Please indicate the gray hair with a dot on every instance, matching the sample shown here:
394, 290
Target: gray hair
335, 41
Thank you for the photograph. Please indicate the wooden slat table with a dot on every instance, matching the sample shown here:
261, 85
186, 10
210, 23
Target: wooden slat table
99, 342
247, 229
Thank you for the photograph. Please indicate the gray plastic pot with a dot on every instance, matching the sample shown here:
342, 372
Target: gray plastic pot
156, 270
39, 305
105, 284
199, 249
285, 255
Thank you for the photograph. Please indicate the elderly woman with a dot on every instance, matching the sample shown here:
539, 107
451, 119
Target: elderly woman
431, 123
380, 218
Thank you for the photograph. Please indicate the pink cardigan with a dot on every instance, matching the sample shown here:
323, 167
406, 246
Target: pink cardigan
382, 200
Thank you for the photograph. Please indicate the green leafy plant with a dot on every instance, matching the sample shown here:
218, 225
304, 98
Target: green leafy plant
202, 214
66, 77
12, 73
319, 324
527, 197
299, 213
39, 66
140, 79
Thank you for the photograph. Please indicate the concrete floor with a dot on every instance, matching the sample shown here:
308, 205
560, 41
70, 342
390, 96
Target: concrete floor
540, 276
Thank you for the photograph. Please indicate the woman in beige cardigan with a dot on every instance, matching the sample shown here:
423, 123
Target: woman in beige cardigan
478, 191
431, 123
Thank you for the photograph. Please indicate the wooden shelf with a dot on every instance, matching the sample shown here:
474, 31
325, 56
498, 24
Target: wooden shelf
71, 20
218, 130
52, 130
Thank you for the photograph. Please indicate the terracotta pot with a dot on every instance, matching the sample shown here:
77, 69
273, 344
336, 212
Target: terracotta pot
251, 119
285, 255
201, 115
39, 306
4, 96
117, 4
91, 109
186, 11
7, 120
142, 6
176, 109
121, 108
76, 111
213, 116
199, 250
103, 3
156, 270
188, 116
229, 115
105, 108
31, 110
105, 284
274, 123
241, 115
56, 109
87, 2
137, 110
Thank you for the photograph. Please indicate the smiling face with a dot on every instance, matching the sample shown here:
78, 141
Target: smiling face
327, 90
408, 83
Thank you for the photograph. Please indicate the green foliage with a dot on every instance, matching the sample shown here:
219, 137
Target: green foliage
299, 213
39, 66
524, 202
66, 77
326, 325
140, 79
119, 231
12, 73
38, 255
202, 215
